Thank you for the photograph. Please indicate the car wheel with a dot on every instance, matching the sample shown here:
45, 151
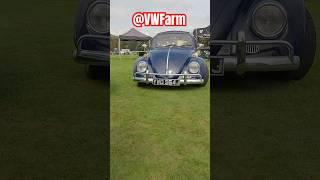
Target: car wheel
306, 52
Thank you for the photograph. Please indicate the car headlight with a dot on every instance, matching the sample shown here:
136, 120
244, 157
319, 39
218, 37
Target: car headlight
142, 66
269, 20
194, 67
97, 17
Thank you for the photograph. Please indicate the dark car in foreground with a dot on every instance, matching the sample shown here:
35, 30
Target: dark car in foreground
262, 35
92, 34
172, 61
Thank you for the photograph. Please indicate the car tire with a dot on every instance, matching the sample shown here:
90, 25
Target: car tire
306, 52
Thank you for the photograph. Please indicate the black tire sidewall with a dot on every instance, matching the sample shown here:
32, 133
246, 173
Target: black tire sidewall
306, 50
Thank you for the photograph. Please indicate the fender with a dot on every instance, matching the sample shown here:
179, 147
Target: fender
81, 19
296, 20
92, 47
223, 15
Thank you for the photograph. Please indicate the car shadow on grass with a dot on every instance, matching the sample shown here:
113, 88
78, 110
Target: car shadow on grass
173, 88
248, 82
103, 77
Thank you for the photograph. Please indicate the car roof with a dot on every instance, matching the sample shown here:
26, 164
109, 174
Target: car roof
174, 32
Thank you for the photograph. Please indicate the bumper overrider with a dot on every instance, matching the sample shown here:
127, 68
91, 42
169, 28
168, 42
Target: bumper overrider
241, 62
182, 79
92, 57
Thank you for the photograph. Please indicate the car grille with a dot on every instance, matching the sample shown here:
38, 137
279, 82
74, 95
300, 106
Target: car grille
252, 49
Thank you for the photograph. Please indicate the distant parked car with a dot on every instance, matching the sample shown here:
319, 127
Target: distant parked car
91, 35
262, 35
172, 61
125, 52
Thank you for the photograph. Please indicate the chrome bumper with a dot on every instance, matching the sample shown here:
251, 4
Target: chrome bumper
276, 63
241, 62
185, 79
91, 57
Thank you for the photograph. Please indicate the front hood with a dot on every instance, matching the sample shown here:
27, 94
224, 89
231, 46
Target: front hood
174, 59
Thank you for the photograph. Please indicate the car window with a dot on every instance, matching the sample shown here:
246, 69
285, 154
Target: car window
173, 39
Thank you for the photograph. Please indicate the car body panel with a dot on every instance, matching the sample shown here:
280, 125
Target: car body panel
178, 58
230, 16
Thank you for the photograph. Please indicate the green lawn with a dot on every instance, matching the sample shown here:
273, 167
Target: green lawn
53, 120
268, 129
157, 133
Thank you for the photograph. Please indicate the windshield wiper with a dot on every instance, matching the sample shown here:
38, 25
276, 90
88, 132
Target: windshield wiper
185, 46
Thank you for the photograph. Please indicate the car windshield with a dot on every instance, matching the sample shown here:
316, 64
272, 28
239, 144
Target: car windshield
172, 39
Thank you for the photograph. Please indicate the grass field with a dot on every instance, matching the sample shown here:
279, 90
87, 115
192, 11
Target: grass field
268, 129
157, 133
53, 120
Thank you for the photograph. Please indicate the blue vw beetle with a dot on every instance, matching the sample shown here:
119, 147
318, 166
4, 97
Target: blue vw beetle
262, 35
171, 61
91, 36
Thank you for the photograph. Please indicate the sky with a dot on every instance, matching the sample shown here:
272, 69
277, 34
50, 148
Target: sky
198, 14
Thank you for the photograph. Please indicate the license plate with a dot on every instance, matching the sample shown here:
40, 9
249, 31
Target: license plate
166, 82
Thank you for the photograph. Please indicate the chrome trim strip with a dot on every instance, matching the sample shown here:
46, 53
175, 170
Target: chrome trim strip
182, 82
182, 77
168, 56
159, 74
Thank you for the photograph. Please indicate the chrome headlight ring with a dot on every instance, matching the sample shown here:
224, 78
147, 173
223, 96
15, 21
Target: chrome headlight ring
269, 20
194, 67
98, 17
142, 66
